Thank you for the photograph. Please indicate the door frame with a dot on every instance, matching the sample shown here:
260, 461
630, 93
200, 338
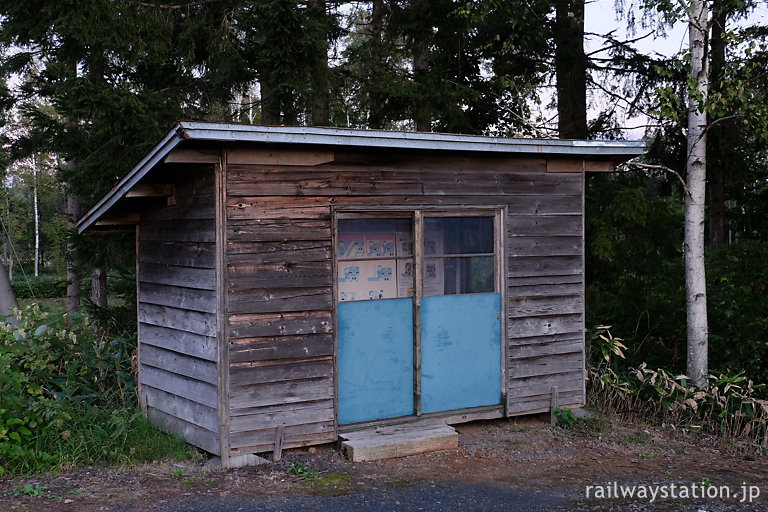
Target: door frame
416, 214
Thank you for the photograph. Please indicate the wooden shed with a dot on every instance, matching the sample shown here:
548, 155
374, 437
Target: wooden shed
295, 282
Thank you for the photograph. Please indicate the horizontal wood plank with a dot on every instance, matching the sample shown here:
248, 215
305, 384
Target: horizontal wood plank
322, 182
278, 230
544, 225
545, 306
179, 319
194, 434
249, 326
288, 371
250, 301
178, 231
285, 347
199, 208
548, 338
196, 345
302, 435
541, 326
279, 252
547, 365
186, 277
533, 266
178, 407
287, 157
289, 414
521, 352
280, 275
189, 254
541, 403
545, 290
571, 382
198, 369
544, 246
248, 399
179, 385
192, 299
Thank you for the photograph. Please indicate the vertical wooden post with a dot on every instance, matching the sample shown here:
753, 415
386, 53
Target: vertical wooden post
553, 406
277, 453
139, 389
222, 317
418, 260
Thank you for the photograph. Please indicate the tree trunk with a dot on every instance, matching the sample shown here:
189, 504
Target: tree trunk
570, 69
696, 170
99, 287
422, 112
718, 231
321, 115
37, 215
270, 113
375, 98
7, 299
73, 283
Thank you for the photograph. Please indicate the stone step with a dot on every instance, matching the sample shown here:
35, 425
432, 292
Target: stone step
398, 441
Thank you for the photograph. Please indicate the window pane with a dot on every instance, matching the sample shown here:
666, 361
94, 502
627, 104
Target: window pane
458, 255
458, 235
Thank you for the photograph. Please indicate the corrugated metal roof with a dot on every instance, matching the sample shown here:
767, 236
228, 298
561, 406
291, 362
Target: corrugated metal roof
225, 132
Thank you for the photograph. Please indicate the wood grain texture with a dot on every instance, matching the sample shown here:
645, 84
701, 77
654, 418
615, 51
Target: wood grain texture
195, 345
179, 385
275, 300
203, 301
195, 435
248, 398
178, 319
311, 322
178, 407
282, 347
181, 254
280, 275
289, 371
192, 367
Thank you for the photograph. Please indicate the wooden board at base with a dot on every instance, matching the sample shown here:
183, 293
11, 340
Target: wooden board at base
398, 441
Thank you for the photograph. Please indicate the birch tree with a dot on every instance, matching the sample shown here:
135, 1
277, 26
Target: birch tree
696, 170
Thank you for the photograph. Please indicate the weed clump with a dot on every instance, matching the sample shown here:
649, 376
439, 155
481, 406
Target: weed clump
67, 398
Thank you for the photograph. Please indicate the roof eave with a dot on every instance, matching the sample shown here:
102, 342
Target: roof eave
169, 141
205, 131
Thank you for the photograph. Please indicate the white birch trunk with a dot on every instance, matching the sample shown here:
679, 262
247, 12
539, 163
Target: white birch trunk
696, 170
37, 216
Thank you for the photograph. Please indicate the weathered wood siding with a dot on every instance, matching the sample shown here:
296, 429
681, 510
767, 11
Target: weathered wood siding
280, 278
177, 312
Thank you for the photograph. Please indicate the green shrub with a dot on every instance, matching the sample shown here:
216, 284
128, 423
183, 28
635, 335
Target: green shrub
68, 397
565, 418
46, 286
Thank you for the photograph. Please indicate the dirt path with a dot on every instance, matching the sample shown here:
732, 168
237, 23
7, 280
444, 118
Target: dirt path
509, 456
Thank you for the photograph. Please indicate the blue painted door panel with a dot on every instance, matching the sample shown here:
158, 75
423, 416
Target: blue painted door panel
375, 359
460, 351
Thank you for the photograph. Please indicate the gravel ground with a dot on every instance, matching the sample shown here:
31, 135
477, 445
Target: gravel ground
500, 465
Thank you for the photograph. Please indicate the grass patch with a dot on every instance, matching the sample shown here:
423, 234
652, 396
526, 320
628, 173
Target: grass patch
330, 484
67, 398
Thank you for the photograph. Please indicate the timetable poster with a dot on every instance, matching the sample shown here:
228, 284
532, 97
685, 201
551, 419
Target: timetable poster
378, 245
351, 245
404, 244
405, 278
367, 280
433, 276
